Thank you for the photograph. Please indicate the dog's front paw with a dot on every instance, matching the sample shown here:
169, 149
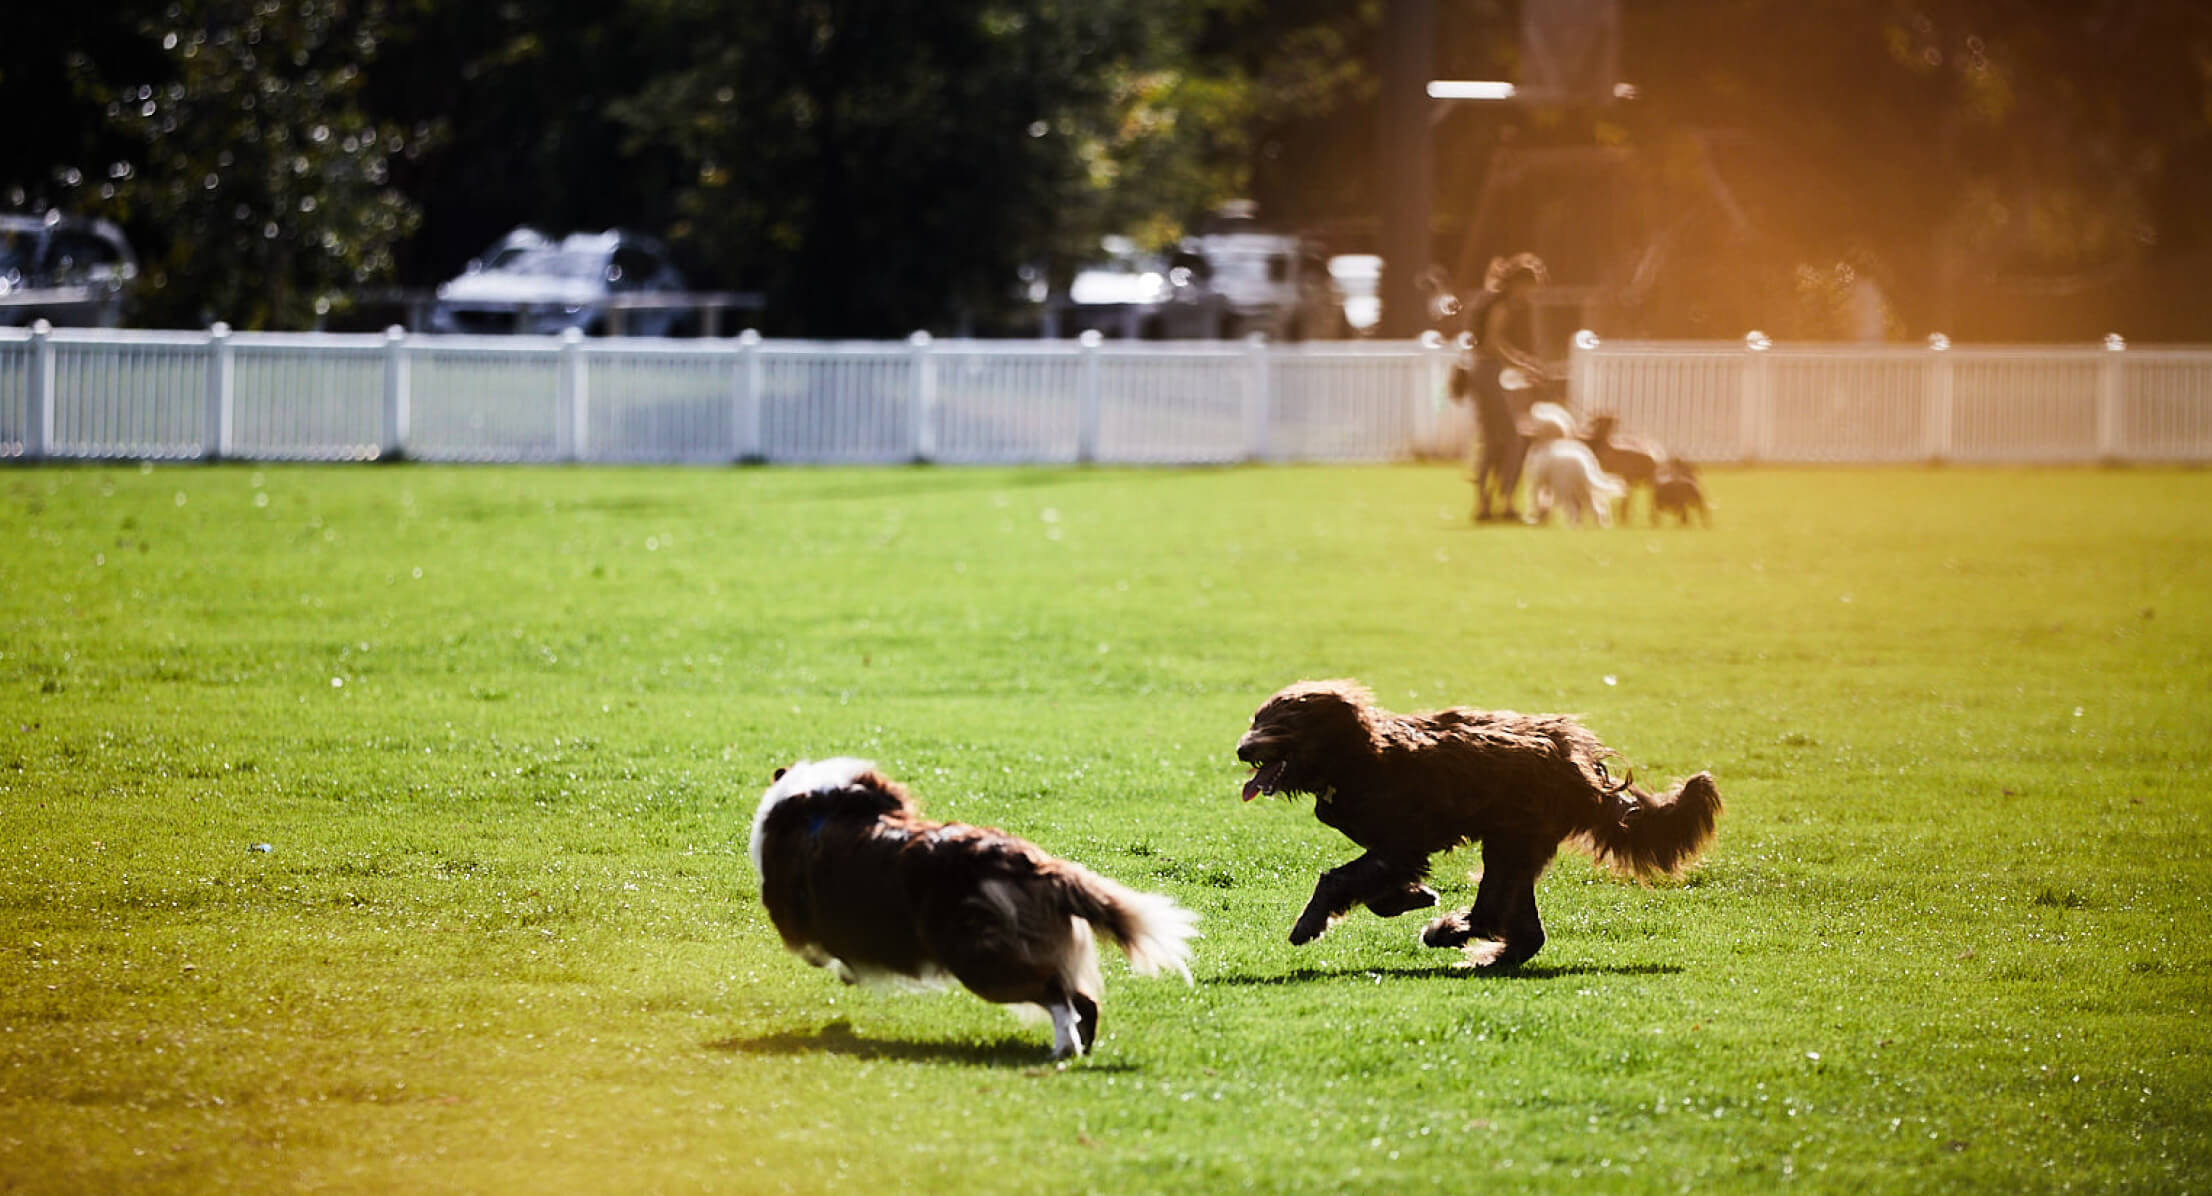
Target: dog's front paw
1310, 927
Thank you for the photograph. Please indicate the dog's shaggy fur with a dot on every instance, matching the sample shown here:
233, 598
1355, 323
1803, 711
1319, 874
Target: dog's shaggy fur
1563, 472
1407, 786
856, 880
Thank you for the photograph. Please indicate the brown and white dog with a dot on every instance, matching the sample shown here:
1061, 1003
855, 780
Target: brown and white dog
1407, 786
856, 880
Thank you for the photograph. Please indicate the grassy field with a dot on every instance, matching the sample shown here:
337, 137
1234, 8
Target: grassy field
382, 829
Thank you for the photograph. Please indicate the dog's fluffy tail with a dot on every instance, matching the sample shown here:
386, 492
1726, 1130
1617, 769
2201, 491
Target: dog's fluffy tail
1658, 834
1153, 931
1603, 486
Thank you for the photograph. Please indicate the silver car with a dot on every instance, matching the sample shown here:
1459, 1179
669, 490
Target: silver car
531, 283
1138, 296
64, 270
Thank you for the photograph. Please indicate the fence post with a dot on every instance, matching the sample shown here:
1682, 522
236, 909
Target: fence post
215, 429
1087, 396
1755, 425
38, 407
1259, 399
2110, 391
392, 436
745, 417
573, 389
925, 398
1940, 398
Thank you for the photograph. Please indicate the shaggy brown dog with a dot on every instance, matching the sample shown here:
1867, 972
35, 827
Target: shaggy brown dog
1407, 786
856, 880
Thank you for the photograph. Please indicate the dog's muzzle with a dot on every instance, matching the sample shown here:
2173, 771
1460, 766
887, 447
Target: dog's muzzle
1266, 776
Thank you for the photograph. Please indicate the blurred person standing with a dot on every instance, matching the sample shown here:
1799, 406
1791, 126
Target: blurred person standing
1503, 377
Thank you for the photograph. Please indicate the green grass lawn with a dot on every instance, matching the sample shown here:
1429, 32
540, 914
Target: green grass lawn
383, 829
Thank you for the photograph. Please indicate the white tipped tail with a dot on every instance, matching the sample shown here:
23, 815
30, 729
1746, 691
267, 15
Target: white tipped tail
1156, 933
1153, 931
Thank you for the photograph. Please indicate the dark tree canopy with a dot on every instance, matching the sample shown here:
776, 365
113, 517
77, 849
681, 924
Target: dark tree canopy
248, 147
2001, 168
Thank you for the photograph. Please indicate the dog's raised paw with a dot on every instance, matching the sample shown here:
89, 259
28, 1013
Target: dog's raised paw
1414, 897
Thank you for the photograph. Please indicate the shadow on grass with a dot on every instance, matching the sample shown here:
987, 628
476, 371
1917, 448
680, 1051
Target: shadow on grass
838, 1038
1446, 971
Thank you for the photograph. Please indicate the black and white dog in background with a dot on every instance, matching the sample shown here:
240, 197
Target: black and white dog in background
856, 880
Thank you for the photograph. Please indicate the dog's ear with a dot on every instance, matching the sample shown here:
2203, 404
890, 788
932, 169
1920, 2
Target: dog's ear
779, 774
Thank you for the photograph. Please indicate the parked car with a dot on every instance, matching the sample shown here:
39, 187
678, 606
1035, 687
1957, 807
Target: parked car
63, 269
1139, 296
530, 283
504, 251
1272, 282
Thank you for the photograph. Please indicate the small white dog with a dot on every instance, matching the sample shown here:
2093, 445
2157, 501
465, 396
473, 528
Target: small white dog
1562, 471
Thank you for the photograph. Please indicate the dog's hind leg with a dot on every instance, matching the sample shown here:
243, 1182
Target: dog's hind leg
1505, 907
1524, 929
1074, 1025
1368, 879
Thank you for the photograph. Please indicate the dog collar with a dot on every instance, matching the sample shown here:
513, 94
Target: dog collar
1325, 794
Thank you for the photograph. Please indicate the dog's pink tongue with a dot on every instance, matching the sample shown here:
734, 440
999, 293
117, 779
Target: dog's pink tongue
1252, 787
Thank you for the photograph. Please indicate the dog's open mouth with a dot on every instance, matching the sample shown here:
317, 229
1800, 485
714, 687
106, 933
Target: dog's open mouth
1264, 779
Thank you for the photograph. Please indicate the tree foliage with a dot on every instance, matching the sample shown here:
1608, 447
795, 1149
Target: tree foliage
66, 150
2000, 167
2011, 166
878, 167
521, 94
270, 186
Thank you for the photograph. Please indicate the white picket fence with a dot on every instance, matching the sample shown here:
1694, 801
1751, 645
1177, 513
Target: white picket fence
1756, 401
276, 396
108, 394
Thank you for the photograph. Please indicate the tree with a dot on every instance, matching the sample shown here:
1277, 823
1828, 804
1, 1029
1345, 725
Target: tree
877, 167
67, 149
2003, 167
259, 189
2000, 167
521, 96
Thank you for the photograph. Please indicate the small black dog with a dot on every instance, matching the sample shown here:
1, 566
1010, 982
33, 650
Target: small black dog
1675, 489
